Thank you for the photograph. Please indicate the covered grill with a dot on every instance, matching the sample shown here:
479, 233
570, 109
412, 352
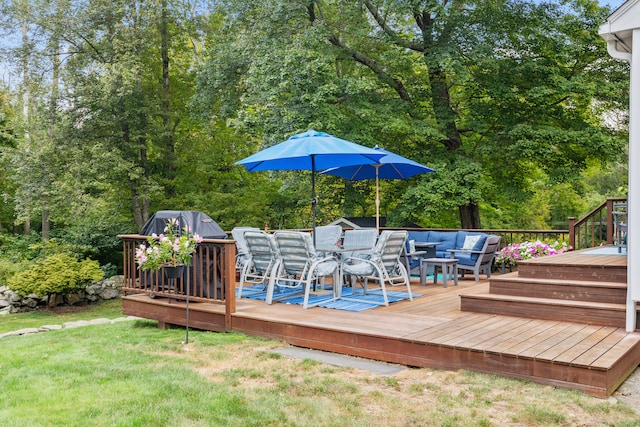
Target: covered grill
198, 222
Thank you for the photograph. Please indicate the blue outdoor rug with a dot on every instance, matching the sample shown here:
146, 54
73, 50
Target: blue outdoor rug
297, 298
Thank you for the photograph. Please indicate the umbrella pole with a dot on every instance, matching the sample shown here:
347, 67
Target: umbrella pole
377, 201
313, 196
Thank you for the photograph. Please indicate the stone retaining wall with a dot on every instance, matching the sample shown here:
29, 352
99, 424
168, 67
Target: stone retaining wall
11, 302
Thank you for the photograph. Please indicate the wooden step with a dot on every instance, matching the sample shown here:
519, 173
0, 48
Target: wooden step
573, 290
545, 270
605, 314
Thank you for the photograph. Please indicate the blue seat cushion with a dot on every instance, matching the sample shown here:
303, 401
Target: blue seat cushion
466, 259
447, 240
418, 236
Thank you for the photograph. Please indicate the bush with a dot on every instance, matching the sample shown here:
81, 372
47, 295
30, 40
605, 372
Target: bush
59, 273
9, 268
19, 247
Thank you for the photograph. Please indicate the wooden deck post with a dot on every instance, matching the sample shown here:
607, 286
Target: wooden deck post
609, 221
229, 284
572, 232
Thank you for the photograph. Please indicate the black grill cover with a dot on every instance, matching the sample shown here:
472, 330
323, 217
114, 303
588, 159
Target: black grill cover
198, 222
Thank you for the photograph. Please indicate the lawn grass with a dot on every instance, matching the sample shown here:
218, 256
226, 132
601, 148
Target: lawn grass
110, 309
134, 374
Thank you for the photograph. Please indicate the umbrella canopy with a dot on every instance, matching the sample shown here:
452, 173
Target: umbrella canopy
311, 150
390, 166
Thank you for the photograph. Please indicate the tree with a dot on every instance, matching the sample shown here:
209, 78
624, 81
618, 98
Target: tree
483, 90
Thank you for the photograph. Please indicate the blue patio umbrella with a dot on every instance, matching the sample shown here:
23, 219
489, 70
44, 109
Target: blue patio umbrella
390, 166
311, 150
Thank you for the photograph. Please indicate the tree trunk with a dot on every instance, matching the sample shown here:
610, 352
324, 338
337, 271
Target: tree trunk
25, 100
45, 224
140, 208
165, 97
470, 216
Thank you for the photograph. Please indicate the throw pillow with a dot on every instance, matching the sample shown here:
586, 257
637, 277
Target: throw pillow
412, 246
470, 242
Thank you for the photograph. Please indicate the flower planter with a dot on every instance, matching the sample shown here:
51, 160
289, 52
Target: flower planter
173, 272
507, 268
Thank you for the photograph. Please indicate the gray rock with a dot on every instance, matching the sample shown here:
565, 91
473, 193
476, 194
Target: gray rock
13, 296
29, 302
72, 299
77, 324
26, 331
4, 303
55, 299
45, 328
114, 282
110, 293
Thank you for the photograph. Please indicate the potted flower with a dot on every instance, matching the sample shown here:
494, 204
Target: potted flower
171, 250
510, 255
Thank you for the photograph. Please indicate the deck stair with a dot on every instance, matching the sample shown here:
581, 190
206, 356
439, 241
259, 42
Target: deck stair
561, 292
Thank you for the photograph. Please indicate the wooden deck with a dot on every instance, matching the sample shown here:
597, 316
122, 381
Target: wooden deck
432, 331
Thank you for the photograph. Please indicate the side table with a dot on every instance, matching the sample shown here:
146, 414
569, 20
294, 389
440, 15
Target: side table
448, 266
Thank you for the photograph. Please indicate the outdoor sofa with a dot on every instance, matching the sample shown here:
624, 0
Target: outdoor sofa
474, 250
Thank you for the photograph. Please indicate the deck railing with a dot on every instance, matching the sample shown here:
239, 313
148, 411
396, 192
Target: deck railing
512, 236
210, 277
596, 227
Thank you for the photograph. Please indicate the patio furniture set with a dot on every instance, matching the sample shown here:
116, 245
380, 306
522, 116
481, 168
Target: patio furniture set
452, 252
289, 260
268, 263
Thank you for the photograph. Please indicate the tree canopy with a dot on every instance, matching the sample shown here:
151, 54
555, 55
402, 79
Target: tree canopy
121, 108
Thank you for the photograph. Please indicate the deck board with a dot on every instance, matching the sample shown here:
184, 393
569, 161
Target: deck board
573, 353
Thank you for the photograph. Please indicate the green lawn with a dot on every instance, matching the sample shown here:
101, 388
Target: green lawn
134, 374
111, 309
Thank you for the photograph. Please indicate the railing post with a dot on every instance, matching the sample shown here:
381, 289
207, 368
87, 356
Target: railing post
572, 232
229, 283
609, 221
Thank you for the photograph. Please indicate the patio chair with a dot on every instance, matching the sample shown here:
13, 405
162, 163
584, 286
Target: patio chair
358, 239
480, 261
262, 259
620, 225
242, 252
384, 266
299, 267
327, 239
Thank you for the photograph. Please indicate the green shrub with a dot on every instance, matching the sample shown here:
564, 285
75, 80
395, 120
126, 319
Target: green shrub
18, 247
9, 268
59, 273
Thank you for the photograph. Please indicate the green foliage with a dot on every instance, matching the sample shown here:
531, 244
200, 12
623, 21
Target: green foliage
506, 99
20, 247
59, 273
9, 268
525, 106
109, 270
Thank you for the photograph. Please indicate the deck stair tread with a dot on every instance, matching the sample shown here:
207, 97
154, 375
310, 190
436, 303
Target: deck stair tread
514, 278
561, 289
549, 301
